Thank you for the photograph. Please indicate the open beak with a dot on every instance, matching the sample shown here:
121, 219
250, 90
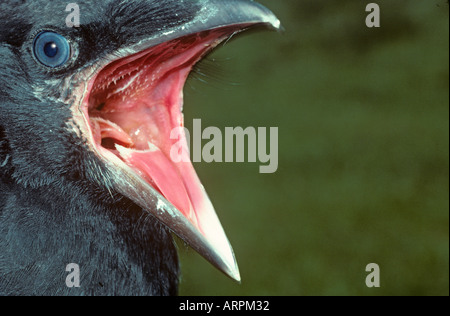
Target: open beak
131, 104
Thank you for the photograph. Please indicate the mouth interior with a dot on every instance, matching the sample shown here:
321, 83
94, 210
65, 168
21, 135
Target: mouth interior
136, 102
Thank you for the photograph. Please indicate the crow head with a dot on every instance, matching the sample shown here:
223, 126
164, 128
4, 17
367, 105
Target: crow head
92, 108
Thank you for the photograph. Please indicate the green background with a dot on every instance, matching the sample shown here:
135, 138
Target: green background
363, 118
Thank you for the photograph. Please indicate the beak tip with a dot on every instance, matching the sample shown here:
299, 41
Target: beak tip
237, 277
281, 29
276, 24
232, 271
267, 17
225, 261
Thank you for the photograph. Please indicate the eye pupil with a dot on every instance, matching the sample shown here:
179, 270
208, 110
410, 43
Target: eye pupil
51, 49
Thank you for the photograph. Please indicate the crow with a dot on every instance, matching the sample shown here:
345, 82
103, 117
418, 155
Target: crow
89, 177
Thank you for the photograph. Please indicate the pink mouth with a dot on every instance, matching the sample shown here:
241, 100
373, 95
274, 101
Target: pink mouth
136, 102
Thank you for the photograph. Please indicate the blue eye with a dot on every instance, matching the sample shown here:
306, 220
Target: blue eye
51, 49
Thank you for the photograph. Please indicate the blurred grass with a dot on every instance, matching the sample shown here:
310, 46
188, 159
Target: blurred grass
363, 117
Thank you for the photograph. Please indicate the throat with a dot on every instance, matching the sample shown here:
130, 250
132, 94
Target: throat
152, 260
